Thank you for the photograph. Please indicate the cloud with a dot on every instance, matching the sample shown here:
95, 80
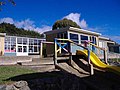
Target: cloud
27, 24
7, 20
76, 18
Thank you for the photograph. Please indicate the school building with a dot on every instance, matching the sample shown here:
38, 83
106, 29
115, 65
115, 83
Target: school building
77, 35
19, 46
25, 46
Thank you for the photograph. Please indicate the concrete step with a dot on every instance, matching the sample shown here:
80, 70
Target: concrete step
41, 68
39, 61
11, 60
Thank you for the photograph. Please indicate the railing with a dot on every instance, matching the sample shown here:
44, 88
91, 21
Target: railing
58, 46
100, 49
114, 58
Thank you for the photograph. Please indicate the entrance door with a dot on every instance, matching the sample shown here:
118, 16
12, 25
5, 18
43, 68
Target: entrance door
22, 50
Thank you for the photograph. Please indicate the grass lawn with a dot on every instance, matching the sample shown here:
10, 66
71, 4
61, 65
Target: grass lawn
7, 72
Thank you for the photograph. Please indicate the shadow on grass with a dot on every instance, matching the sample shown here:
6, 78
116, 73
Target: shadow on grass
57, 80
32, 76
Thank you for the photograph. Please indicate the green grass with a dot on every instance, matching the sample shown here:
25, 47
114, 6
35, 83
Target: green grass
10, 74
7, 72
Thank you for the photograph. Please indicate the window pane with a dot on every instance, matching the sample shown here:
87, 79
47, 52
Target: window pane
30, 41
84, 37
35, 42
19, 40
13, 48
24, 41
7, 40
39, 41
19, 48
30, 48
24, 48
35, 48
74, 37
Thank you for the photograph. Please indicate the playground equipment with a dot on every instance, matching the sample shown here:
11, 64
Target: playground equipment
91, 57
97, 62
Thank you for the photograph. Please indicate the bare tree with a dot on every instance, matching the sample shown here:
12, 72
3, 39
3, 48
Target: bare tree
3, 2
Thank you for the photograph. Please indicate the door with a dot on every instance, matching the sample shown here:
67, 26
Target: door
22, 50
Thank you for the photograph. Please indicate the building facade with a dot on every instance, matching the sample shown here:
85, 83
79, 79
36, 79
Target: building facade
19, 46
76, 35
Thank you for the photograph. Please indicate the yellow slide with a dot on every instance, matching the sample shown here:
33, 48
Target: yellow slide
97, 62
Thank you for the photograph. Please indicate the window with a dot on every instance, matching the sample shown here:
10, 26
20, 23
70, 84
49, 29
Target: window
24, 48
10, 44
35, 49
19, 40
19, 48
25, 41
35, 42
30, 48
30, 41
83, 38
93, 39
74, 37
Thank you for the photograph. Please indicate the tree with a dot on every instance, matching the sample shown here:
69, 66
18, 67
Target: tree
64, 23
3, 2
11, 29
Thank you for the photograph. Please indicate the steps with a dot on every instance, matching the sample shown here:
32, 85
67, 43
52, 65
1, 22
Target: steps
12, 60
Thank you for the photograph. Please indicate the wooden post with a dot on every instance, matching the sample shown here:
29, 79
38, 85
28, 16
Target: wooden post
41, 49
91, 69
105, 56
70, 58
55, 53
90, 65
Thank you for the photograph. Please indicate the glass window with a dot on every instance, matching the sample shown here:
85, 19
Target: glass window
93, 39
24, 48
35, 48
13, 48
7, 44
30, 48
74, 37
35, 42
39, 41
31, 41
19, 40
7, 40
83, 38
24, 41
19, 48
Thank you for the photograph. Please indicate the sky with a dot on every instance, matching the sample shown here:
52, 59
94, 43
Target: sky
102, 16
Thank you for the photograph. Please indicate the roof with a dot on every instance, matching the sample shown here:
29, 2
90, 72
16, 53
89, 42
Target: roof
73, 29
108, 40
103, 38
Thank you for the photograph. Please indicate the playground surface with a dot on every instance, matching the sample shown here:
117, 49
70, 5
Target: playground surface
101, 80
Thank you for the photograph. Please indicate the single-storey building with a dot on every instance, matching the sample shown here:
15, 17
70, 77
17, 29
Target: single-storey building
76, 35
19, 46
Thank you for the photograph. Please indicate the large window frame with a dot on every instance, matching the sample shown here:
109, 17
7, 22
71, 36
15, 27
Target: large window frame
24, 44
84, 38
74, 37
10, 44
